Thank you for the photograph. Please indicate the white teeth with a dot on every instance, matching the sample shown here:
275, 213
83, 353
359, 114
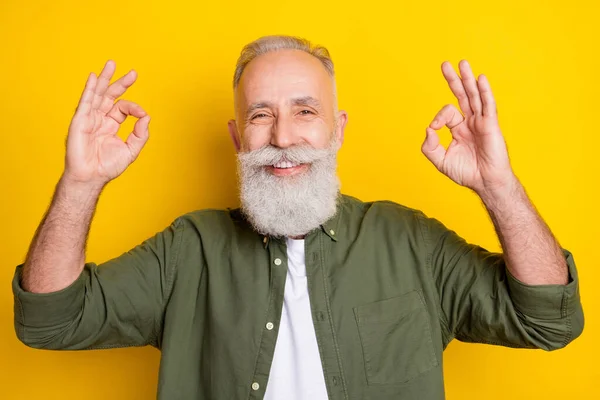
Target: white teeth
285, 164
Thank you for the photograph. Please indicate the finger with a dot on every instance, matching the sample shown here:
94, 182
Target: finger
103, 81
116, 90
138, 138
85, 102
448, 116
432, 149
123, 108
470, 85
457, 88
487, 97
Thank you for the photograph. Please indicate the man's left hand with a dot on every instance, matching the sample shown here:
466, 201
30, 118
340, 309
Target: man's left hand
477, 156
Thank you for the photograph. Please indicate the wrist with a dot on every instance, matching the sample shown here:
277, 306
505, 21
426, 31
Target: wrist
76, 192
502, 192
77, 185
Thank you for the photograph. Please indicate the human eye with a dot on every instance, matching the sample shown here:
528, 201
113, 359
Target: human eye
259, 115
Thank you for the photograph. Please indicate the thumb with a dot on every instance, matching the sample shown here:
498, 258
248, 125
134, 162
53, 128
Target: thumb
432, 149
138, 138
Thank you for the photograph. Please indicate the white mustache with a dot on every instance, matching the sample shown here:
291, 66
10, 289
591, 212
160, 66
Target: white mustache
271, 155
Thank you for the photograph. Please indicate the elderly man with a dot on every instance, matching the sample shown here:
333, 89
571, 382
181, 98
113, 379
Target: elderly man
302, 292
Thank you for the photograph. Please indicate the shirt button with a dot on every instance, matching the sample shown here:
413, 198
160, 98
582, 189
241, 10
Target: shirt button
277, 261
269, 325
332, 232
265, 240
255, 386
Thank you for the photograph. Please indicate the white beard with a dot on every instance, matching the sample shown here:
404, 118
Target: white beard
291, 206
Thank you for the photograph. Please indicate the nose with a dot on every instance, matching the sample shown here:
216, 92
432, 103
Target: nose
283, 133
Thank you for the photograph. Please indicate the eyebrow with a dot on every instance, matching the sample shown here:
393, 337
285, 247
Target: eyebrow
306, 101
296, 101
256, 106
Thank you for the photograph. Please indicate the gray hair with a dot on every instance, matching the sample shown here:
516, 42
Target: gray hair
267, 44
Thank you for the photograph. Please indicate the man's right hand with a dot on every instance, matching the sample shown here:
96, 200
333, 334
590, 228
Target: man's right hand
95, 154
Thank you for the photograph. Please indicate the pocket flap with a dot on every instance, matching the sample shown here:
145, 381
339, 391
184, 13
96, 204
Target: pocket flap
389, 309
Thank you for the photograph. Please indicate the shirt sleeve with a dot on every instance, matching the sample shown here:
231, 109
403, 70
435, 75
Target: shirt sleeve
115, 304
482, 302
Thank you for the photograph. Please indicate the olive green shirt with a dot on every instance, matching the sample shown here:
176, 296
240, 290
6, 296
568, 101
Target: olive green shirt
389, 289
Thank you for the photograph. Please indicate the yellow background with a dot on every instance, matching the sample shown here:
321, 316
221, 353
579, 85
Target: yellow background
541, 58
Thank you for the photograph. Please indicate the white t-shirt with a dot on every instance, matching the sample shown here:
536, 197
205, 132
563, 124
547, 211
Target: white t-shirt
296, 372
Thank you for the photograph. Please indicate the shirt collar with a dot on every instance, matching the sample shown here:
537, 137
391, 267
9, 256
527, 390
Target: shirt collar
330, 227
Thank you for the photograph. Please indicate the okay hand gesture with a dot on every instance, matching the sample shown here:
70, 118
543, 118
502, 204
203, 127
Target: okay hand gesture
477, 156
95, 154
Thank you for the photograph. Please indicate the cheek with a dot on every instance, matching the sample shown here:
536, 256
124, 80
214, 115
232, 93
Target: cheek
317, 134
256, 137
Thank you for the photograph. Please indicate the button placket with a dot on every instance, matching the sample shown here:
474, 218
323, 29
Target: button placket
317, 251
276, 259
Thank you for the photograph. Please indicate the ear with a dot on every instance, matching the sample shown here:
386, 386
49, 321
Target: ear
235, 136
341, 120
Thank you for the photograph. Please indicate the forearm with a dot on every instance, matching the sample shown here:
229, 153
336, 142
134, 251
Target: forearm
57, 252
532, 253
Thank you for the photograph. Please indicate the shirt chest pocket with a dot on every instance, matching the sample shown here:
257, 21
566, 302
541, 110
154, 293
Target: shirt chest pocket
395, 335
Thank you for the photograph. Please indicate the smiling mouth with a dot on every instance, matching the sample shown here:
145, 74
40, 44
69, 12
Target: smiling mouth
285, 165
287, 168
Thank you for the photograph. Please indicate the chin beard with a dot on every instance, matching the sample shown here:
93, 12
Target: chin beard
283, 206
